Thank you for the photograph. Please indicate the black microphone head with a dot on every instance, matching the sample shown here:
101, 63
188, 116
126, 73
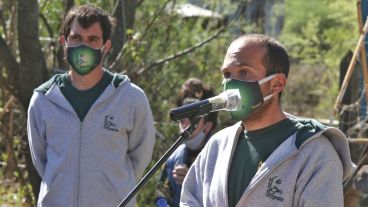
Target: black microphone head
191, 110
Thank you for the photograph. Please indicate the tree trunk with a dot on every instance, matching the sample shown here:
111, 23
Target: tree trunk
32, 71
68, 4
267, 15
124, 12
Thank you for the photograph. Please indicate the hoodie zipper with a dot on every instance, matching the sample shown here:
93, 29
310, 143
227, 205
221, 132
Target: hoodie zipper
237, 134
79, 164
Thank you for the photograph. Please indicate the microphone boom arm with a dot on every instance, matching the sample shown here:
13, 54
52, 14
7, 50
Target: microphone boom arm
184, 135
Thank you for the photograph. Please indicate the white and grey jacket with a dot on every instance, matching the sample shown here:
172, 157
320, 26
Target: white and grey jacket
96, 162
306, 173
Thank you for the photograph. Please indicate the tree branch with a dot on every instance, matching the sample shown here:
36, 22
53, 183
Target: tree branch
149, 25
115, 64
52, 43
235, 15
48, 26
2, 20
124, 12
44, 5
181, 53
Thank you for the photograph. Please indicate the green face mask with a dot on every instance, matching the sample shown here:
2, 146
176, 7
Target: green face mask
251, 96
83, 58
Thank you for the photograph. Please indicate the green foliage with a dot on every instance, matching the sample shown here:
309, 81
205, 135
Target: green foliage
316, 41
14, 193
51, 11
321, 35
177, 34
316, 33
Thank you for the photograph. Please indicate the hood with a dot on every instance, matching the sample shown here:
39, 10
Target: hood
310, 129
116, 81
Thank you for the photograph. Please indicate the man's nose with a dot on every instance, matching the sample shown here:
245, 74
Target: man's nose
236, 76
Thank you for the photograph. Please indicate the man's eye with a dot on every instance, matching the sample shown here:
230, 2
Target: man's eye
243, 73
73, 37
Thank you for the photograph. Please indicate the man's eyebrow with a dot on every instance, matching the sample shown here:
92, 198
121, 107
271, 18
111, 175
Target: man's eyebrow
240, 66
94, 37
246, 66
74, 35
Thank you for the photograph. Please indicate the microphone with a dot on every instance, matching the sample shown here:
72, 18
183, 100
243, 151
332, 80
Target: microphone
228, 100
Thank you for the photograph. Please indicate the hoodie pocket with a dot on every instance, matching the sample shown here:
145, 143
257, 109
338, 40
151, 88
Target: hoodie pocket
58, 193
99, 191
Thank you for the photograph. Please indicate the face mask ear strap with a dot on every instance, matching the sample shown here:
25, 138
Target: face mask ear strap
224, 81
266, 79
66, 45
267, 97
102, 51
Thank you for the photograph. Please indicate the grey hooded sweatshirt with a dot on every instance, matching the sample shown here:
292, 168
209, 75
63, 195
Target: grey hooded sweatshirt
307, 170
96, 162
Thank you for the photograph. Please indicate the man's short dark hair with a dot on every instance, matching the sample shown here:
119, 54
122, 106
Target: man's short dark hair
86, 15
276, 59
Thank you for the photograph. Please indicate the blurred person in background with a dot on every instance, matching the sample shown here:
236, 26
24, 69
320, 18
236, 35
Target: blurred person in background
177, 165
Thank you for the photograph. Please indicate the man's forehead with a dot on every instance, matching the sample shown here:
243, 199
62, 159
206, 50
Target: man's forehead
236, 53
231, 60
236, 47
96, 26
239, 46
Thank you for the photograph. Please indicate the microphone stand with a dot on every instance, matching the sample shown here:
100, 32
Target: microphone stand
184, 135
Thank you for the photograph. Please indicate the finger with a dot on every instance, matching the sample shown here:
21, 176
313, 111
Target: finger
181, 172
179, 179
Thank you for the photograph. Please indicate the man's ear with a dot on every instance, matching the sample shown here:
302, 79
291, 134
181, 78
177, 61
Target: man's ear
278, 83
62, 41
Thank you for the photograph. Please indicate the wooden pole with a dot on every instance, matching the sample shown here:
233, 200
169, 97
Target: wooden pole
350, 68
358, 140
363, 55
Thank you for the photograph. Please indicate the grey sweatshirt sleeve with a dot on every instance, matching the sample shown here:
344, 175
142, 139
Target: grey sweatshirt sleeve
36, 135
142, 136
192, 191
321, 184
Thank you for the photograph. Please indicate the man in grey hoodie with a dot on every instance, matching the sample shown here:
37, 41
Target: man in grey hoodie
90, 131
268, 158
